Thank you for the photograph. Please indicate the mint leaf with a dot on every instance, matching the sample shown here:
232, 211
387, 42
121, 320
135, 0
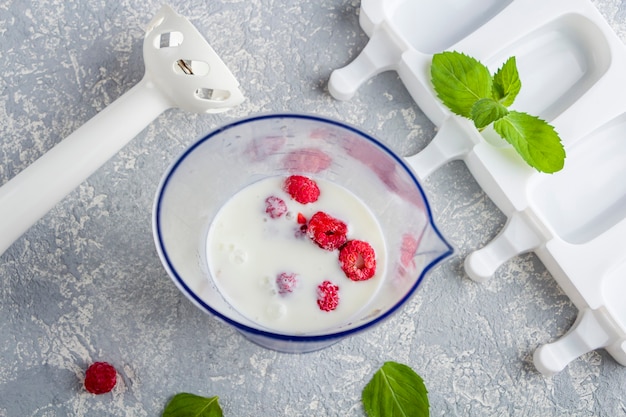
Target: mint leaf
395, 391
534, 139
466, 87
460, 81
190, 405
506, 83
486, 111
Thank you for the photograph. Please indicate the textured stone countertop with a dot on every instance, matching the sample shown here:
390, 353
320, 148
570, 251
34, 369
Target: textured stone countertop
85, 283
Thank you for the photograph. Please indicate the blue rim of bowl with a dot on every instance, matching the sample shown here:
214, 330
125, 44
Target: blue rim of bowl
266, 333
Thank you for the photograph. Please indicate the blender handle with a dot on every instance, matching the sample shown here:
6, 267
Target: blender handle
29, 195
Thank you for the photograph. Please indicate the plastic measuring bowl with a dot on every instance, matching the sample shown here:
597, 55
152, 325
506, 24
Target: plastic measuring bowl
216, 167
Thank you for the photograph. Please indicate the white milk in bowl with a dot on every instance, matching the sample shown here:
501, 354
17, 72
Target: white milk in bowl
296, 255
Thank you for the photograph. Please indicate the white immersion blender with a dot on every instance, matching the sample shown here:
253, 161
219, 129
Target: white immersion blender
182, 70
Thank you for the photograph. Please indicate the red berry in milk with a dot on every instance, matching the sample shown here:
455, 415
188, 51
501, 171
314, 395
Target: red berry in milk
296, 254
327, 296
302, 189
326, 231
286, 282
358, 260
275, 206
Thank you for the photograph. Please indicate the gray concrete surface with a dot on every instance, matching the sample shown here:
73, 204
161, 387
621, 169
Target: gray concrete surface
85, 283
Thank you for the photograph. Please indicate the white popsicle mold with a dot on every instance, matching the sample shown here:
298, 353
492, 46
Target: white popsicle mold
572, 67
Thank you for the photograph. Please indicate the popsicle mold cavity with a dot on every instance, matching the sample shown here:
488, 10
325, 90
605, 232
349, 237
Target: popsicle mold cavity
597, 202
557, 63
426, 26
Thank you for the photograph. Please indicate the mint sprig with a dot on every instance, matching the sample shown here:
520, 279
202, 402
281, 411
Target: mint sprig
468, 89
395, 390
191, 405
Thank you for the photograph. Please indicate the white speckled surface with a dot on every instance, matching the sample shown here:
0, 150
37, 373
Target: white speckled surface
85, 283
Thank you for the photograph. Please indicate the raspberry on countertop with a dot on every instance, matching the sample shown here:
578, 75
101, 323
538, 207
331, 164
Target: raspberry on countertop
100, 378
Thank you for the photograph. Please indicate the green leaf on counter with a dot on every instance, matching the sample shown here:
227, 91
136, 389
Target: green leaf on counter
191, 405
395, 391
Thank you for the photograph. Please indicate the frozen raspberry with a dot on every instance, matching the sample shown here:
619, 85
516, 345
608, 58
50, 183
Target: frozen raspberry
327, 296
302, 189
328, 232
286, 282
358, 260
275, 206
100, 378
300, 231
